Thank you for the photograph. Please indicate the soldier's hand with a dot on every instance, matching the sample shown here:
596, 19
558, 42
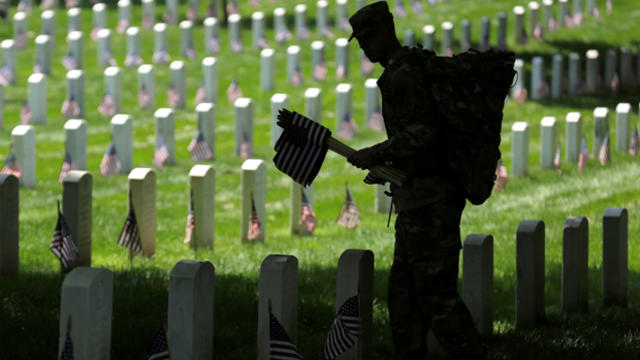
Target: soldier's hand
362, 158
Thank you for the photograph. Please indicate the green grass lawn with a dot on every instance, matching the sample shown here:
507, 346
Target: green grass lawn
29, 304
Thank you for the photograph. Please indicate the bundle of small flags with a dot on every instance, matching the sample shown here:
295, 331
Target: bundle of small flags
130, 235
233, 91
584, 156
191, 222
67, 165
161, 56
307, 217
344, 330
159, 349
6, 75
347, 127
604, 155
349, 216
62, 244
70, 107
161, 154
199, 148
110, 164
25, 113
538, 32
502, 177
282, 36
280, 344
11, 166
254, 223
107, 107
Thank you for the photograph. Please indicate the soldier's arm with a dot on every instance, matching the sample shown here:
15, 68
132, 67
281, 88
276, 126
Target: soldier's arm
416, 116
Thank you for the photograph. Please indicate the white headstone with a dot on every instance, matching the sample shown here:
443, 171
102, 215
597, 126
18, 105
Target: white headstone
254, 182
171, 14
574, 136
212, 43
161, 50
575, 81
142, 185
210, 74
502, 31
38, 98
518, 28
9, 57
122, 135
75, 41
43, 53
534, 15
575, 267
48, 18
113, 86
258, 38
611, 79
372, 99
563, 12
99, 16
244, 121
75, 131
295, 212
623, 126
293, 64
147, 82
485, 34
203, 187
165, 127
77, 189
234, 32
20, 29
428, 36
186, 39
322, 18
342, 58
267, 69
133, 58
539, 86
600, 127
518, 66
520, 133
124, 15
75, 82
344, 104
317, 58
24, 148
179, 82
557, 76
593, 76
549, 141
313, 104
74, 19
148, 13
302, 32
447, 39
465, 35
278, 101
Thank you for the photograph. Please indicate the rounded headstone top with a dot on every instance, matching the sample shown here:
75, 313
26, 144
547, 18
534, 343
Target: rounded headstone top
558, 57
518, 63
601, 112
209, 61
518, 10
253, 164
322, 4
275, 260
371, 83
547, 2
563, 1
176, 65
592, 54
279, 98
234, 18
76, 35
76, 176
19, 16
519, 126
98, 7
8, 43
74, 74
163, 112
573, 117
257, 15
530, 226
478, 239
186, 24
200, 170
447, 25
145, 68
293, 49
548, 121
317, 45
104, 33
133, 31
429, 29
84, 277
120, 119
36, 78
312, 92
301, 8
210, 21
342, 42
341, 2
268, 52
204, 107
623, 108
22, 130
41, 39
575, 222
465, 23
159, 27
73, 12
111, 71
343, 88
533, 5
574, 56
279, 11
242, 102
140, 173
615, 212
148, 1
537, 60
47, 14
123, 3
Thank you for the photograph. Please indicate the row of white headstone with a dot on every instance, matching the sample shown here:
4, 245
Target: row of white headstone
574, 133
618, 74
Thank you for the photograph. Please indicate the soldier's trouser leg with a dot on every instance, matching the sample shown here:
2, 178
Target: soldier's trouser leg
423, 283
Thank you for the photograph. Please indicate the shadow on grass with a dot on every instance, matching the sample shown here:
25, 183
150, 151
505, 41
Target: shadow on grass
29, 308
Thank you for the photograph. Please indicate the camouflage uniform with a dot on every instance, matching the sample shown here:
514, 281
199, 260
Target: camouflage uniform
423, 278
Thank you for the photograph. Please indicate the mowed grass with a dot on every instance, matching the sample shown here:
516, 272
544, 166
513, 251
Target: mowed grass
29, 304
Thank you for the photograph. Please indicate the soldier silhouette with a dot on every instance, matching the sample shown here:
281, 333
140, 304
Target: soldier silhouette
423, 278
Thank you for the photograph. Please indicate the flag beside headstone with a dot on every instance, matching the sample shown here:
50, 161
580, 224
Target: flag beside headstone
110, 164
67, 165
62, 244
349, 216
344, 330
307, 216
11, 166
280, 344
130, 235
199, 148
159, 349
161, 154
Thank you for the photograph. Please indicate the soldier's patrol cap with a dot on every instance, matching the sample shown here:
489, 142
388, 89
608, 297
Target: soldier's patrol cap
369, 17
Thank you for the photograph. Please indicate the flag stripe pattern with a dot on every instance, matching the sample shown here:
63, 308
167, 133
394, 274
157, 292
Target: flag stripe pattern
584, 156
159, 349
67, 165
130, 235
302, 163
281, 346
307, 216
344, 330
62, 244
67, 349
110, 164
11, 166
349, 215
199, 148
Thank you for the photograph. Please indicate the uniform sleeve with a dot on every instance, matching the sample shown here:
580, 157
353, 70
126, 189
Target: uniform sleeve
415, 116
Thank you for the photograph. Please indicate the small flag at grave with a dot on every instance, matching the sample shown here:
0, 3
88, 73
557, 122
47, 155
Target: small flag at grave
297, 78
37, 69
319, 72
326, 32
543, 89
303, 33
604, 155
236, 46
133, 60
553, 25
69, 61
280, 345
568, 21
199, 148
344, 330
161, 57
161, 154
232, 8
190, 52
143, 97
109, 59
615, 82
262, 42
173, 96
609, 6
246, 150
71, 3
94, 33
376, 121
130, 235
366, 66
192, 14
213, 45
233, 91
6, 76
191, 221
70, 107
11, 166
62, 244
110, 164
634, 144
307, 216
347, 127
520, 95
67, 165
23, 5
159, 350
340, 72
147, 21
254, 3
538, 32
584, 156
557, 159
67, 348
282, 36
254, 223
349, 216
344, 25
596, 13
123, 25
20, 39
502, 177
201, 94
107, 107
168, 18
25, 113
399, 10
416, 7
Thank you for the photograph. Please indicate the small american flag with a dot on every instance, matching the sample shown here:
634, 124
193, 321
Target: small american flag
94, 33
62, 244
232, 8
596, 13
132, 60
190, 52
69, 61
584, 156
399, 9
23, 5
123, 25
109, 59
349, 216
577, 18
161, 153
376, 121
283, 36
67, 165
161, 57
568, 21
303, 33
6, 76
609, 6
130, 235
347, 127
107, 107
502, 177
173, 96
147, 21
236, 46
246, 150
340, 72
192, 14
46, 4
604, 155
37, 69
634, 144
557, 160
366, 66
416, 6
201, 94
70, 107
615, 82
199, 148
307, 217
319, 72
296, 78
543, 89
110, 164
538, 32
520, 95
233, 91
168, 18
262, 42
280, 344
159, 350
254, 223
344, 330
213, 45
144, 98
67, 349
191, 222
553, 25
25, 113
326, 32
20, 39
11, 166
344, 25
